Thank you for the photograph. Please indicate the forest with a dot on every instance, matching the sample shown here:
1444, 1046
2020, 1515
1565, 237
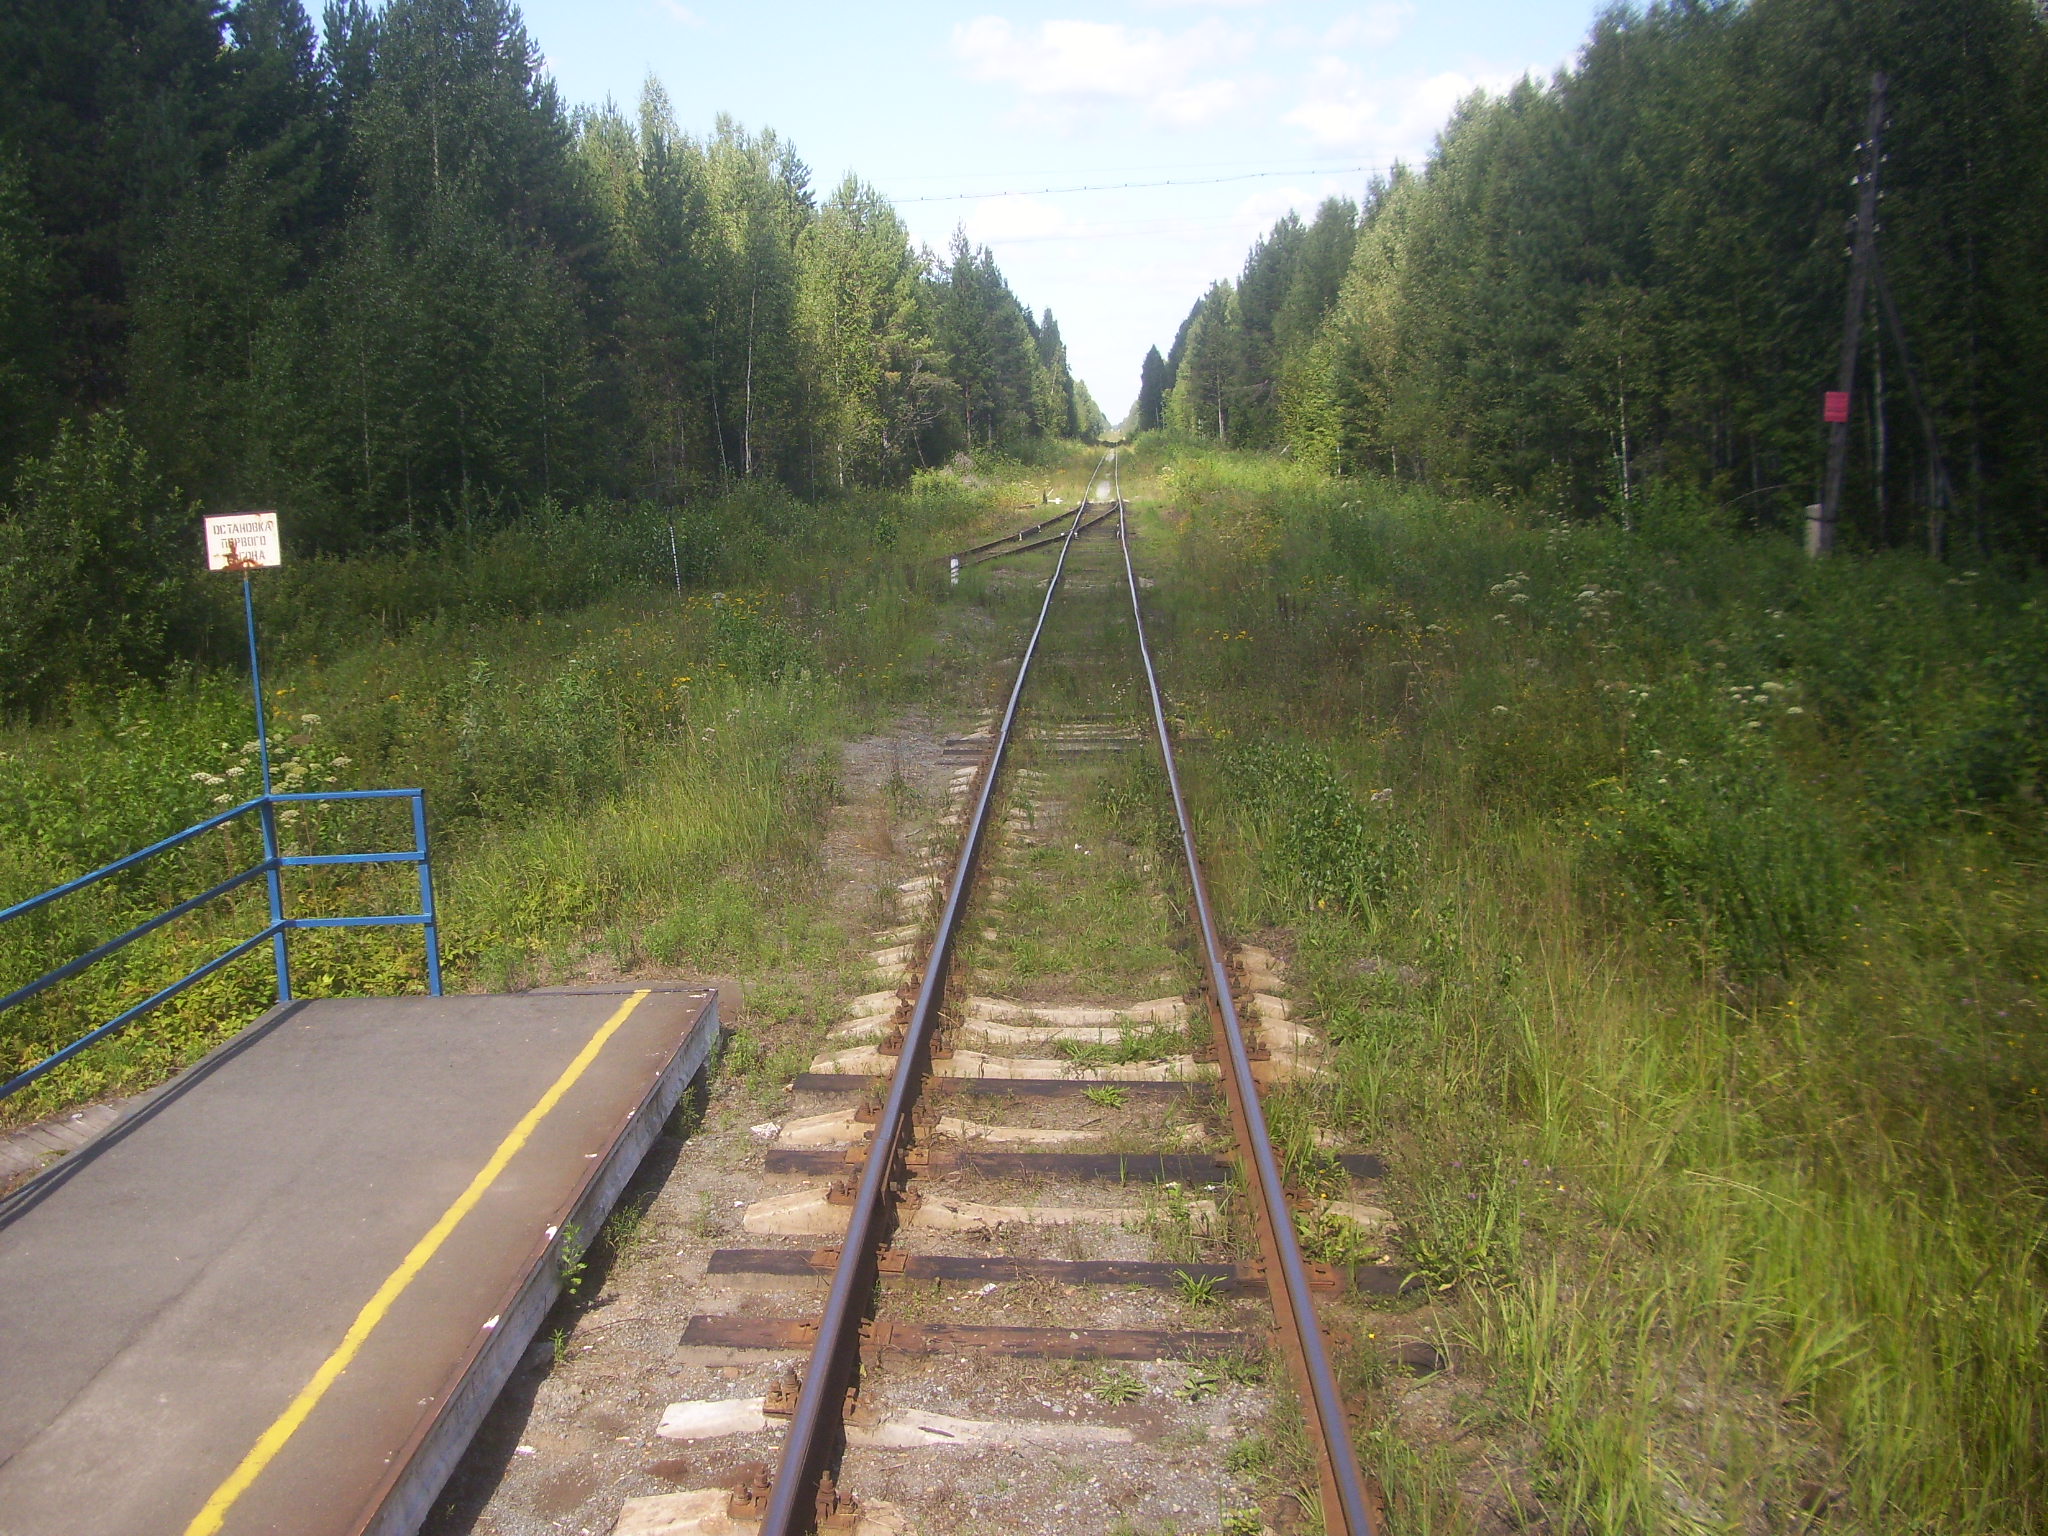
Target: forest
380, 277
1635, 274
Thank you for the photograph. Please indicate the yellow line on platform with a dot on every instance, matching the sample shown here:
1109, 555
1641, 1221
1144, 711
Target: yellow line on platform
273, 1439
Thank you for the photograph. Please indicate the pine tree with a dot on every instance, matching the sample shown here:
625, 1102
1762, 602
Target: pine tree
1153, 382
112, 110
28, 339
1210, 366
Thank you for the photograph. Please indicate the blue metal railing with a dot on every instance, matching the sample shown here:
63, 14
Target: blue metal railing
270, 870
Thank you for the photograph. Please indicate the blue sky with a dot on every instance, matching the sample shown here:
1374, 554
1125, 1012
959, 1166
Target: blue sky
966, 114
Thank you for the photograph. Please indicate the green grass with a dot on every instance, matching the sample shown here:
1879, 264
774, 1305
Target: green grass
1677, 909
1118, 1384
618, 775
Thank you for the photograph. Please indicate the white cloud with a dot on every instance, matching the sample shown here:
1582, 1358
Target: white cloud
1098, 60
680, 13
1260, 211
1373, 27
1383, 120
1017, 218
1193, 105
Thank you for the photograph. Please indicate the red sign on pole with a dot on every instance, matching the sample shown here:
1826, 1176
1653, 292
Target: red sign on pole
1834, 405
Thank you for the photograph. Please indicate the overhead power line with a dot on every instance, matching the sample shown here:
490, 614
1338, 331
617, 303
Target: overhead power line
1131, 186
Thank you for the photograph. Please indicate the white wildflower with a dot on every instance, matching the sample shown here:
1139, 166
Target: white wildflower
341, 762
237, 771
1795, 710
1382, 797
309, 719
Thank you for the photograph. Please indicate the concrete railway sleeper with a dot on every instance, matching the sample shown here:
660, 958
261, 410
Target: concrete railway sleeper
919, 1161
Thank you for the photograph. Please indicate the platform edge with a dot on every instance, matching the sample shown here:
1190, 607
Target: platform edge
424, 1466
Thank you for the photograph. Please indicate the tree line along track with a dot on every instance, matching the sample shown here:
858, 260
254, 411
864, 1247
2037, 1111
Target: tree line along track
897, 1166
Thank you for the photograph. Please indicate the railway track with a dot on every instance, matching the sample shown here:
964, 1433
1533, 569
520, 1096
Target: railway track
1025, 1183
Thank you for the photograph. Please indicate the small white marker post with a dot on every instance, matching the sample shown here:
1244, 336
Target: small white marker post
243, 542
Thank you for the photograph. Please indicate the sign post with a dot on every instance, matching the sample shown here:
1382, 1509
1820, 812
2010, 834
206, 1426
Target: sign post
243, 542
1820, 534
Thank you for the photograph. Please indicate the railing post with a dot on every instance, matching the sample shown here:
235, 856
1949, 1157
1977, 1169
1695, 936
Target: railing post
256, 681
272, 878
432, 925
267, 812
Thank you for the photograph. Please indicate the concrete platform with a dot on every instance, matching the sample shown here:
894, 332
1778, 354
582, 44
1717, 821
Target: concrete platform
282, 1292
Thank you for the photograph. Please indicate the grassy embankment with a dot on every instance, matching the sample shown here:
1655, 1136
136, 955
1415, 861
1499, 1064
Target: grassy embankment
1678, 911
618, 776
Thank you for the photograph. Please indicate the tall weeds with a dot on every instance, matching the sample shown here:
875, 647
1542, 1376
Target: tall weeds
1706, 1021
617, 772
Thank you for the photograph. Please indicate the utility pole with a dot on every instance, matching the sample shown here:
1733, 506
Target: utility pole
1822, 517
1940, 491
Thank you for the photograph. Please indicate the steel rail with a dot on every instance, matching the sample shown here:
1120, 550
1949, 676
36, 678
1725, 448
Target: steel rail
1009, 540
1346, 1511
815, 1425
1017, 549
